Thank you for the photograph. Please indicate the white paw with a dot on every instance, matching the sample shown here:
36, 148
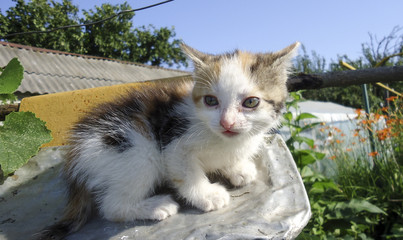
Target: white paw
163, 212
243, 176
211, 198
158, 207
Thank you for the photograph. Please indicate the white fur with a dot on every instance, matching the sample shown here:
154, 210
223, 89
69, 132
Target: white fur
124, 182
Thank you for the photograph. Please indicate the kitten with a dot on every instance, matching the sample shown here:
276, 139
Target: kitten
174, 133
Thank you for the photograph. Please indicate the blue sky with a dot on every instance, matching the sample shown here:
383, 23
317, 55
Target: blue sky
327, 27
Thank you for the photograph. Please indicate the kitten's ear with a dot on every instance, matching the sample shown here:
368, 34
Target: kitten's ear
285, 55
196, 56
274, 66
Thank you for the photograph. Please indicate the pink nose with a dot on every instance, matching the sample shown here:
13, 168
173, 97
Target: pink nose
227, 125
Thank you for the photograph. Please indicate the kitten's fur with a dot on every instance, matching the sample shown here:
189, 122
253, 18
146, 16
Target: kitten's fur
172, 133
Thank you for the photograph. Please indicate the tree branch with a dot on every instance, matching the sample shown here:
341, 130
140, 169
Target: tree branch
345, 78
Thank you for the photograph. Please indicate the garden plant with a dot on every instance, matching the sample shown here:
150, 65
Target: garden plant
363, 198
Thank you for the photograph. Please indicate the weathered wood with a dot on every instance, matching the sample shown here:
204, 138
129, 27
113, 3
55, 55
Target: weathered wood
345, 78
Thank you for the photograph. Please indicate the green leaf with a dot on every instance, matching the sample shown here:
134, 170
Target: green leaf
306, 140
363, 205
11, 77
20, 139
288, 116
305, 157
296, 95
350, 209
304, 116
321, 187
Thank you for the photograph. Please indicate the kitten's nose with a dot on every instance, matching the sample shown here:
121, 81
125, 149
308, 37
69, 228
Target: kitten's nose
226, 124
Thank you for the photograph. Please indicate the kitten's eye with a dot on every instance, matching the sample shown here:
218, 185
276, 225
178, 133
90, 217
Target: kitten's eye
210, 100
251, 102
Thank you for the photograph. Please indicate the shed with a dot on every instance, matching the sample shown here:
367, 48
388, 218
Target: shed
50, 71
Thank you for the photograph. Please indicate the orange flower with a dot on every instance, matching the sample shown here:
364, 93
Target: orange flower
333, 157
342, 134
393, 98
384, 133
373, 154
390, 121
377, 116
349, 149
338, 141
358, 111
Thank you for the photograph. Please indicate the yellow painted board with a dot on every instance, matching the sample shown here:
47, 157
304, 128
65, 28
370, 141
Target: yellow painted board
61, 110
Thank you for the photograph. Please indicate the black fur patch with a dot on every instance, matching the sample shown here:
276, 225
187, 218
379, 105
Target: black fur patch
117, 140
149, 110
167, 125
173, 128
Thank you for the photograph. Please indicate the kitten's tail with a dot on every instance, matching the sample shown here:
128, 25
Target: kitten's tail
78, 210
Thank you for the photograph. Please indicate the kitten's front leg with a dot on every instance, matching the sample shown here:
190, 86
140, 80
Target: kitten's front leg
241, 173
194, 186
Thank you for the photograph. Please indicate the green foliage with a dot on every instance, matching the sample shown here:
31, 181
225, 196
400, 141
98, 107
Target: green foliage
382, 186
386, 52
40, 15
377, 176
154, 45
115, 38
360, 201
111, 38
296, 142
20, 139
309, 64
21, 134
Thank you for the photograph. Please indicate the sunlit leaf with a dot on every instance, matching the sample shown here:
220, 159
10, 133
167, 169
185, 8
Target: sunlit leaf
11, 77
20, 139
302, 116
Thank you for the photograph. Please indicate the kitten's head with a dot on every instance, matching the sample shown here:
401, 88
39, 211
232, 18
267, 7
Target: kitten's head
239, 93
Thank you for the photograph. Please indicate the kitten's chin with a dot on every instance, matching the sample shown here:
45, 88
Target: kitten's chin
230, 134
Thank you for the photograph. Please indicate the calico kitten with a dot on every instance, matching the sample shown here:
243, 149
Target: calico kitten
174, 133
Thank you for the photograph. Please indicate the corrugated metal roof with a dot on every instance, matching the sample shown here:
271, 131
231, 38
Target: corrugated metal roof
50, 71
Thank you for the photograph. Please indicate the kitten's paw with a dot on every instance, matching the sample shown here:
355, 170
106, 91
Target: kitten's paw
212, 198
163, 212
243, 175
159, 207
